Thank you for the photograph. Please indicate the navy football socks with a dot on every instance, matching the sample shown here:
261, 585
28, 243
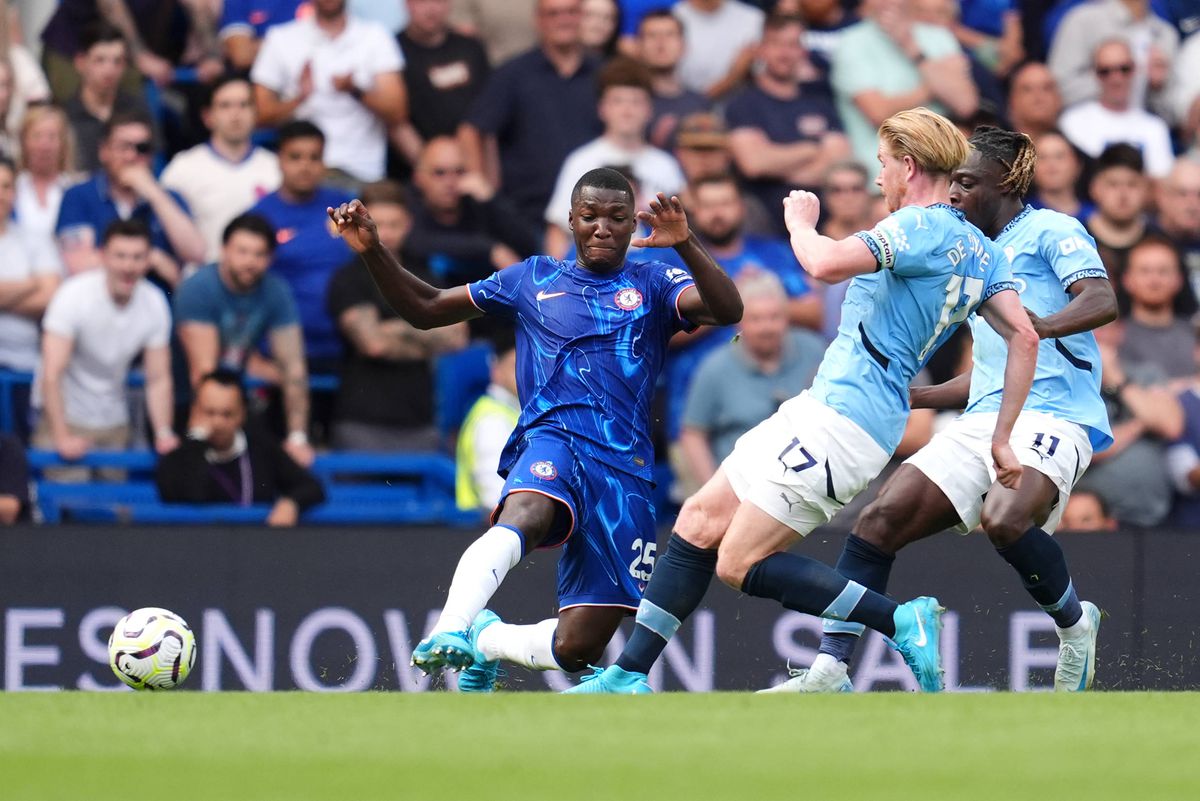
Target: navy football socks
681, 577
1039, 561
805, 585
869, 566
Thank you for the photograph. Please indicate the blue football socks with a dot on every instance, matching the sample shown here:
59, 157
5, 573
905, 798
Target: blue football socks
1039, 561
869, 566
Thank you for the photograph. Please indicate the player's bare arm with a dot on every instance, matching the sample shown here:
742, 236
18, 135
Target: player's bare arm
1005, 314
952, 394
828, 260
422, 305
1093, 304
716, 300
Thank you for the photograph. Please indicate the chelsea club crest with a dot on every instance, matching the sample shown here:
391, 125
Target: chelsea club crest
628, 299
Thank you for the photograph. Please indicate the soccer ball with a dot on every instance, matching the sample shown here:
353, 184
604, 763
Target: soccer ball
152, 649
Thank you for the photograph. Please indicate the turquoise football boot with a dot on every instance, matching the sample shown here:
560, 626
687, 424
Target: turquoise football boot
918, 629
1077, 652
450, 649
481, 676
612, 680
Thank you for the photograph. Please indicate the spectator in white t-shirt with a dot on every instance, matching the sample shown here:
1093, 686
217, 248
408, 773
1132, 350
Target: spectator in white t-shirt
47, 158
97, 323
1113, 117
721, 38
340, 73
30, 272
228, 174
625, 109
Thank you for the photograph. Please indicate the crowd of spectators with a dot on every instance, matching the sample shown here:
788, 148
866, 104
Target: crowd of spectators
165, 166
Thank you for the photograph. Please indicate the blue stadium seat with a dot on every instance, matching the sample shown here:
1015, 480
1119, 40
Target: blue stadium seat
459, 379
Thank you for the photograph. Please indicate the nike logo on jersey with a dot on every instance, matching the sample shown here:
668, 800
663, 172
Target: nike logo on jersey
544, 295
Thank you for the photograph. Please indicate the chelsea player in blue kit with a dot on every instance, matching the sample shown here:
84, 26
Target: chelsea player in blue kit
917, 275
591, 338
949, 483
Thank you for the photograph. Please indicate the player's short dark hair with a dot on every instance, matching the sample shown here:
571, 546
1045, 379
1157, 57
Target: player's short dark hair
1119, 154
220, 83
776, 21
299, 129
225, 377
603, 178
1013, 151
622, 71
251, 223
130, 117
657, 14
134, 229
100, 32
384, 192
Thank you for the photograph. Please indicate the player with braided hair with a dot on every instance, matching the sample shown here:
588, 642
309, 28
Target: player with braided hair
950, 483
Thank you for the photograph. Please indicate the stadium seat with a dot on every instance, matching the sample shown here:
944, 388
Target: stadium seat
459, 379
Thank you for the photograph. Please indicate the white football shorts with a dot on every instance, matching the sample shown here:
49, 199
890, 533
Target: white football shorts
959, 459
803, 464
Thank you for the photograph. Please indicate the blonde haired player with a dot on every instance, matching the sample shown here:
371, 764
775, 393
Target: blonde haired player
917, 276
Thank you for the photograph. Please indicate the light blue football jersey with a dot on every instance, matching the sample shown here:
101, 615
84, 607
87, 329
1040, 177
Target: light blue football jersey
935, 268
1048, 252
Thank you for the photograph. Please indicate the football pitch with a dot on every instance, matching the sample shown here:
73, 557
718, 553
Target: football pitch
894, 746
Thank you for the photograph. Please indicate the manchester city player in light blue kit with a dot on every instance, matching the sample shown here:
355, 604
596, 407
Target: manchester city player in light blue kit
591, 337
949, 483
917, 275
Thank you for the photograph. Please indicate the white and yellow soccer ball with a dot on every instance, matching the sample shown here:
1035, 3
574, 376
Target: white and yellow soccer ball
152, 649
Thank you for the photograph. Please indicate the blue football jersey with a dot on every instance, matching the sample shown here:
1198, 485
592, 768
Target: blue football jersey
935, 268
589, 351
1048, 251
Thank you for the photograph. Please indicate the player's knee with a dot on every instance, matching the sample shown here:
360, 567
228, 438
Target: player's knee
575, 651
881, 525
1004, 526
732, 568
696, 523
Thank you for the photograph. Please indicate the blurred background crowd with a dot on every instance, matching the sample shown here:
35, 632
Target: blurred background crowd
168, 279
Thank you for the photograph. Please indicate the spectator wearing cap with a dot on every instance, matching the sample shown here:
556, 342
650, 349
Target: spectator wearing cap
702, 150
659, 46
887, 63
225, 461
624, 108
783, 134
506, 137
1112, 117
125, 189
228, 174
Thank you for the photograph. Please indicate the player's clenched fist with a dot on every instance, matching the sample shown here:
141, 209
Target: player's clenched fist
801, 210
1008, 467
354, 225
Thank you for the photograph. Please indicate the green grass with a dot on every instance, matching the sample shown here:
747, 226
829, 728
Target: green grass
294, 747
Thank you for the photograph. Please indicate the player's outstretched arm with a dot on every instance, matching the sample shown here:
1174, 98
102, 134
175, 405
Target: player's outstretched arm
829, 260
1093, 304
952, 394
1005, 314
422, 305
716, 300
